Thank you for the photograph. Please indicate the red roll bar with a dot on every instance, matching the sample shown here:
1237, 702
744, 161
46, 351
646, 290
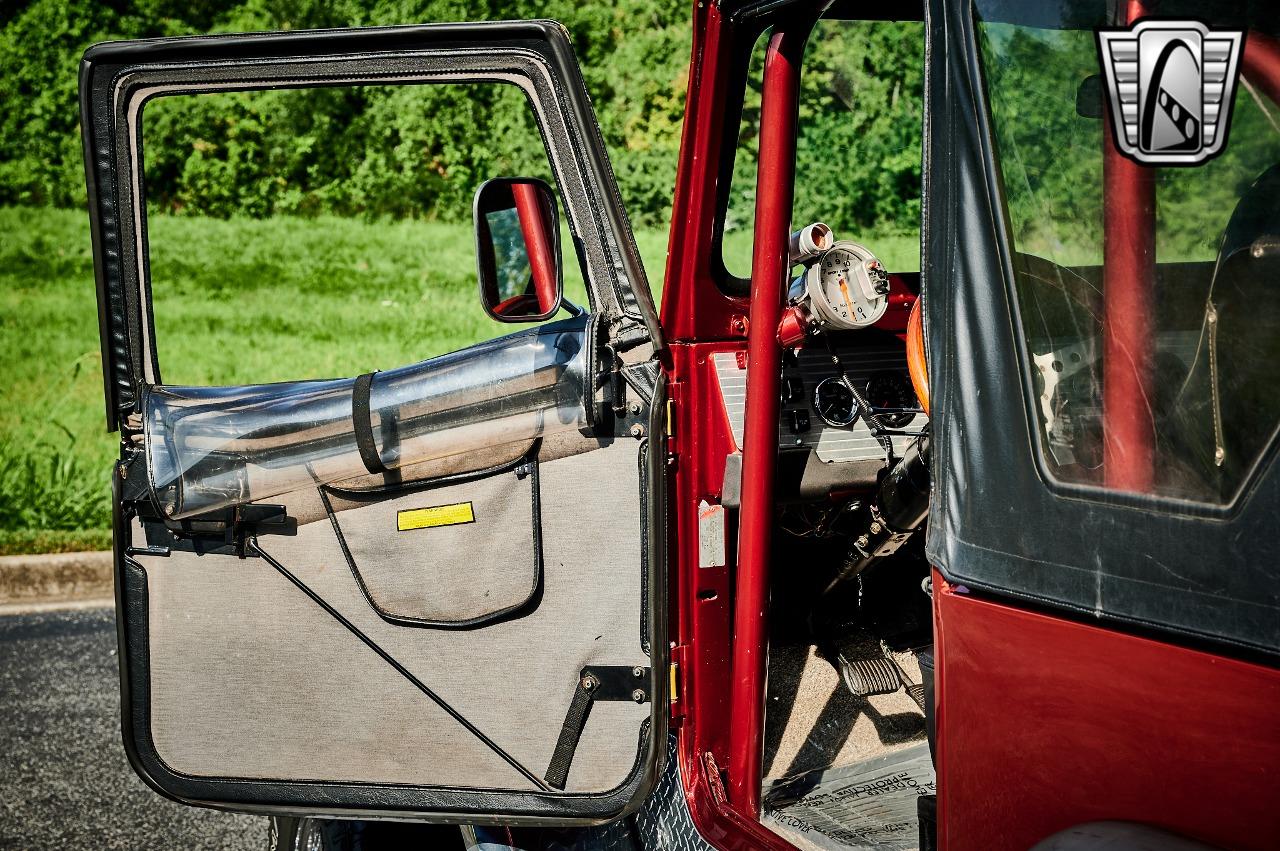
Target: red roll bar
538, 243
1261, 63
775, 180
1128, 285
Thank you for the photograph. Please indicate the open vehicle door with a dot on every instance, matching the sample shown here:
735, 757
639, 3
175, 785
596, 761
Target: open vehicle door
431, 591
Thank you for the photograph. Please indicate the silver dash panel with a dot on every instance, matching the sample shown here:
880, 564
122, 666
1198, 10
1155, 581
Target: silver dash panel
854, 443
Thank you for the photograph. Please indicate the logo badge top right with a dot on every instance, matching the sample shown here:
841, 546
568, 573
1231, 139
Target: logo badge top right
1170, 85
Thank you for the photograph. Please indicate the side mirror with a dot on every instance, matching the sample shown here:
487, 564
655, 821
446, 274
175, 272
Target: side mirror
518, 249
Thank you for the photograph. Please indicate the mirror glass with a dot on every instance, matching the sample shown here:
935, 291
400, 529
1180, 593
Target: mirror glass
518, 249
513, 272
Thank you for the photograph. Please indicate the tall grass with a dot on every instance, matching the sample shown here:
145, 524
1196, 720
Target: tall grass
50, 488
54, 465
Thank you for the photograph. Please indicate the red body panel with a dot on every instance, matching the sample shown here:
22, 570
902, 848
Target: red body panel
1044, 723
695, 309
701, 600
693, 306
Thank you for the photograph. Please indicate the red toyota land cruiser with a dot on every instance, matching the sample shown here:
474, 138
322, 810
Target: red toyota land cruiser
964, 542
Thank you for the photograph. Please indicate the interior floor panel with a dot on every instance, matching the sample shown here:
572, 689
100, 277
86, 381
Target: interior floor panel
813, 721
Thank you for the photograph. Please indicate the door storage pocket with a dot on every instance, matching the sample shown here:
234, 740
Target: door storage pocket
457, 553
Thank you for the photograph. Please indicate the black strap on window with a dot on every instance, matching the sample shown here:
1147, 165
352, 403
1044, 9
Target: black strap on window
362, 419
596, 682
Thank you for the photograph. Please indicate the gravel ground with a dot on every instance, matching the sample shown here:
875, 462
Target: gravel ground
64, 779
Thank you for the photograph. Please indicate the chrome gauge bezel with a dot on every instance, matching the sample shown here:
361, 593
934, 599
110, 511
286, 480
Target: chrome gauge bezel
821, 306
855, 409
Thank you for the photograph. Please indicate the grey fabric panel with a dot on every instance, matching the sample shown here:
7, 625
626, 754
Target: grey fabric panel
249, 678
448, 574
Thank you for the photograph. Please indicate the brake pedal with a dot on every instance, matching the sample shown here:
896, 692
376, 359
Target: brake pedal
865, 670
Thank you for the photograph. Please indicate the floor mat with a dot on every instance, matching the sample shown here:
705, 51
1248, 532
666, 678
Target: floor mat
841, 771
869, 805
812, 721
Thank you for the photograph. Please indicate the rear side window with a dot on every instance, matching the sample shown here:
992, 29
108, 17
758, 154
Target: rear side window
1155, 374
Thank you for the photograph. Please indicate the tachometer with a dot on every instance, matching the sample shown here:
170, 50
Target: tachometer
848, 287
834, 402
891, 390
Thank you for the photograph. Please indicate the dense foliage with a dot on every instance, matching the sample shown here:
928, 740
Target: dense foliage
375, 151
420, 151
858, 150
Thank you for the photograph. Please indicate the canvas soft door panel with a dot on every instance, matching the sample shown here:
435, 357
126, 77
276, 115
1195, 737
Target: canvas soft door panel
250, 680
457, 554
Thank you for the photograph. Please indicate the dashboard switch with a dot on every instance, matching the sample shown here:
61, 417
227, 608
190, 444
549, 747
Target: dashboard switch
792, 390
798, 420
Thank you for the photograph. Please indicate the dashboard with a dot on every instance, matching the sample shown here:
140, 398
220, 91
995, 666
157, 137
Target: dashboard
801, 426
825, 456
848, 406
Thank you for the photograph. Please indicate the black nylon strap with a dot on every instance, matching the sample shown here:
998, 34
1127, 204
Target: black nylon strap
362, 419
571, 732
595, 682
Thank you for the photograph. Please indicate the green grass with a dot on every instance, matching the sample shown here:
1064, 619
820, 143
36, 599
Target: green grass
236, 302
35, 541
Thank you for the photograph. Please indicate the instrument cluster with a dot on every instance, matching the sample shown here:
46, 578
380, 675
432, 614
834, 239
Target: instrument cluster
847, 393
819, 412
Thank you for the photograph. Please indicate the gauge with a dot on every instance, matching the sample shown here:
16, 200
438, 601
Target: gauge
891, 390
834, 402
848, 287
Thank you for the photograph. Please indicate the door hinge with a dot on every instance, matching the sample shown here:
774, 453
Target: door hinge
617, 383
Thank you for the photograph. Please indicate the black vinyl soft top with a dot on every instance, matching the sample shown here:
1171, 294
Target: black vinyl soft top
1205, 573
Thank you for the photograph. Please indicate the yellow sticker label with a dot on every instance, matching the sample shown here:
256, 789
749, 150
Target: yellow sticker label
436, 515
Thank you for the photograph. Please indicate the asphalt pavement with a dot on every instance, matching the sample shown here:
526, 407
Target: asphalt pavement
64, 778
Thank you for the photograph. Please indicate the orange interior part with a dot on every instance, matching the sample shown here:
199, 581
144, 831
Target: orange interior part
915, 356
